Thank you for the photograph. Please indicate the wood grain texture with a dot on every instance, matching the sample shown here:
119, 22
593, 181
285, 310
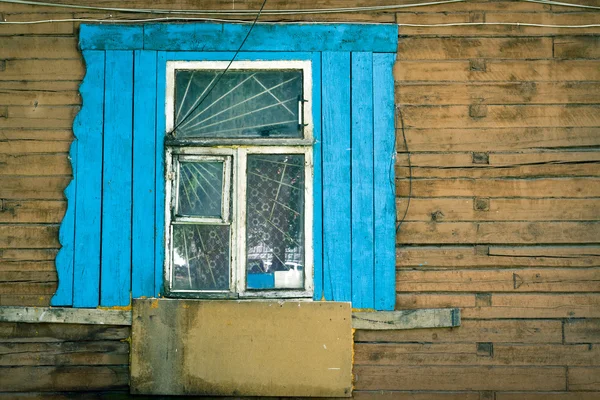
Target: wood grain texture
363, 226
115, 277
459, 378
582, 331
336, 133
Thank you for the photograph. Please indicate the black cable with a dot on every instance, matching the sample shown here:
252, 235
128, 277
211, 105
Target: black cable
178, 124
410, 177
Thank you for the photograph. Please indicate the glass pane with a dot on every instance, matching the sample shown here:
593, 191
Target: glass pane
200, 189
200, 257
241, 104
275, 222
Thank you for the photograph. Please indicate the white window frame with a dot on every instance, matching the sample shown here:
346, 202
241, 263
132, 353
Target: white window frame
280, 65
237, 151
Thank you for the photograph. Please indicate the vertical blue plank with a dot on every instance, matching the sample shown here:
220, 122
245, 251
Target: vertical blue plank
117, 176
161, 124
336, 175
317, 180
66, 234
385, 211
88, 129
144, 151
362, 181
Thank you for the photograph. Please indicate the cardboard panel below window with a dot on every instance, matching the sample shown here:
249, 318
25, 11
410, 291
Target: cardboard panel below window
241, 348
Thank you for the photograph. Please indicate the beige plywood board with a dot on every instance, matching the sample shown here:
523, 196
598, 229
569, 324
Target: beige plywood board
241, 348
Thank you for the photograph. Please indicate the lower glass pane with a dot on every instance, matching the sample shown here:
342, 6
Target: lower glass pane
275, 222
201, 255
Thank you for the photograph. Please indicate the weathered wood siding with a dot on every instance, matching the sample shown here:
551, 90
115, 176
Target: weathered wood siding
503, 124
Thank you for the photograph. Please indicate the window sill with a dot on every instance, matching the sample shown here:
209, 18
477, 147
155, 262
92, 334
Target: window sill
377, 320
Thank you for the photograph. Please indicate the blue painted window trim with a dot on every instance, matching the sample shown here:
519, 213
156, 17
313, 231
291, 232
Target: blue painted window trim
121, 128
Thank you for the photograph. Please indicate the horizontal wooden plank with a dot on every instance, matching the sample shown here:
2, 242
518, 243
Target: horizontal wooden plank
410, 319
64, 353
584, 378
31, 211
538, 305
38, 47
498, 256
472, 331
36, 134
34, 164
29, 236
497, 139
65, 315
33, 187
467, 354
512, 280
65, 378
418, 48
34, 146
498, 232
54, 28
502, 116
39, 117
459, 378
19, 255
47, 266
27, 276
28, 288
41, 70
498, 93
34, 300
34, 98
22, 332
547, 396
577, 47
461, 209
582, 331
546, 18
434, 300
518, 165
411, 395
497, 70
532, 188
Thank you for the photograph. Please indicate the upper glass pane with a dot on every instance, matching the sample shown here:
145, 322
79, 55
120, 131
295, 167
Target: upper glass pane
241, 103
200, 189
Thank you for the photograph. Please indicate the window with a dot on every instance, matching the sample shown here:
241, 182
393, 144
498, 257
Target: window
239, 179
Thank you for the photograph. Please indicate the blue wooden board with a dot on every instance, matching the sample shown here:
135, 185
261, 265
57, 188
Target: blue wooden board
317, 181
159, 187
144, 164
89, 131
362, 181
337, 242
271, 37
117, 180
111, 37
385, 189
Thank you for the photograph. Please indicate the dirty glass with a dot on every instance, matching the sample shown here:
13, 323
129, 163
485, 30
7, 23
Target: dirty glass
200, 257
238, 104
200, 192
275, 221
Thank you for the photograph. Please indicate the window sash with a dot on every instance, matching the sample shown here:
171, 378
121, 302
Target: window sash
238, 247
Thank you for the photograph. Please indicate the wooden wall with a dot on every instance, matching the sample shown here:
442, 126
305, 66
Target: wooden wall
503, 126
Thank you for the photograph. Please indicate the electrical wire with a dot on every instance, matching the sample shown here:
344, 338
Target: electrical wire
450, 24
208, 92
559, 3
410, 172
233, 12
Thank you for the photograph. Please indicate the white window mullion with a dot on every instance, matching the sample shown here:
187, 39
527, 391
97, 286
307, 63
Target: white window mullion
240, 197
